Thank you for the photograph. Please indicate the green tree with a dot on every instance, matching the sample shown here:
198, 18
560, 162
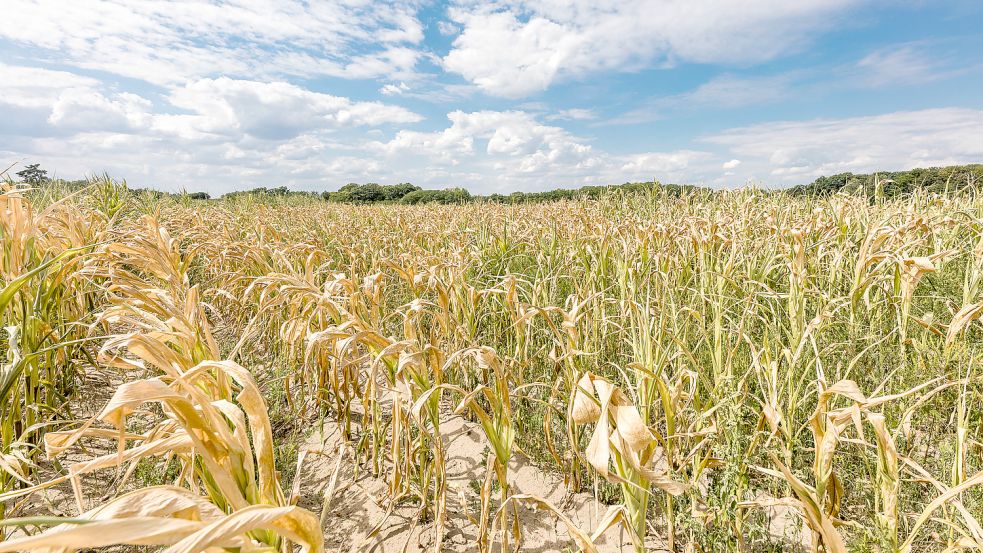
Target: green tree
343, 194
33, 174
368, 193
396, 192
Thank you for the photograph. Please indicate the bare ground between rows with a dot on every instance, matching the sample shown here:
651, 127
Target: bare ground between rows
358, 519
358, 508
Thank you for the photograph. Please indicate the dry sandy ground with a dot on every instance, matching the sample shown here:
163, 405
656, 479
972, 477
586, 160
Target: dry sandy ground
355, 510
357, 520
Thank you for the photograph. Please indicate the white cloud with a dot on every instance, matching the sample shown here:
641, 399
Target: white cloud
514, 134
513, 48
88, 110
33, 87
392, 89
171, 41
447, 28
732, 91
574, 114
793, 152
899, 64
502, 151
58, 101
886, 67
512, 150
275, 110
223, 107
659, 164
211, 133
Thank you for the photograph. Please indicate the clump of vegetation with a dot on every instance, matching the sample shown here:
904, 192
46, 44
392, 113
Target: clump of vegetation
370, 193
279, 192
447, 196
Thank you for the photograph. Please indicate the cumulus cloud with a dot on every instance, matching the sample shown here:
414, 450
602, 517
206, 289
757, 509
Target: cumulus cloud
211, 107
502, 151
275, 110
514, 134
218, 133
514, 150
513, 48
38, 101
88, 110
33, 87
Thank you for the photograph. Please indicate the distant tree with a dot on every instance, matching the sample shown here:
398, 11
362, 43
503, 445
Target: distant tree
199, 196
343, 194
418, 197
33, 175
446, 196
368, 193
397, 191
458, 195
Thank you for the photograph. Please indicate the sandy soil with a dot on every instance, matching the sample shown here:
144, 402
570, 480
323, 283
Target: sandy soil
355, 510
357, 520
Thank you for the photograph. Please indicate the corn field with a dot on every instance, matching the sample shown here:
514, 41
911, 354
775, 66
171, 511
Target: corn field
729, 371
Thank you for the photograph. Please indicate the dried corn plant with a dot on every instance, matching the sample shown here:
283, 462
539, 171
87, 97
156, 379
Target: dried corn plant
670, 353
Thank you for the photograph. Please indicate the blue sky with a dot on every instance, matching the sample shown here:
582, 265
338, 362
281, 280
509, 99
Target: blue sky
492, 96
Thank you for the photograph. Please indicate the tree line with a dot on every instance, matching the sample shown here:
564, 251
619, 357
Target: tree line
409, 194
406, 193
889, 184
883, 184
